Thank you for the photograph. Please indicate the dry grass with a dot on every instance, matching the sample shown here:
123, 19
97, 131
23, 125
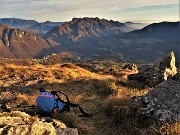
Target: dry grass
169, 129
52, 74
108, 98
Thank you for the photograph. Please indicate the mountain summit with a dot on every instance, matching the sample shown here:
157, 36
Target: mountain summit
81, 28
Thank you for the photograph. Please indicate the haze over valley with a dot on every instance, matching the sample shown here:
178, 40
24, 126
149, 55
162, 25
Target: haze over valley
89, 38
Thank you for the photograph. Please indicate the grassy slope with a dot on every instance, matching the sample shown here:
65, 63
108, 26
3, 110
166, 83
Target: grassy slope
105, 96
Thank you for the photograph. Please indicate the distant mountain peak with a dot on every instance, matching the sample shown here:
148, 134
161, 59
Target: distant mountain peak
129, 22
17, 22
79, 28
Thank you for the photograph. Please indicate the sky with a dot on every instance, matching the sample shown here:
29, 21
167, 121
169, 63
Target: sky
144, 11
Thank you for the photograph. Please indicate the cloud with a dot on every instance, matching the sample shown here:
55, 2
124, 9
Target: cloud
63, 10
151, 8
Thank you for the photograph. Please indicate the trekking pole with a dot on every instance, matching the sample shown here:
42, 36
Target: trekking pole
26, 106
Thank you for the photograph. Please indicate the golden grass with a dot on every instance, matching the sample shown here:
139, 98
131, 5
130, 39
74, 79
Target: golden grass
26, 99
169, 129
52, 74
108, 98
82, 86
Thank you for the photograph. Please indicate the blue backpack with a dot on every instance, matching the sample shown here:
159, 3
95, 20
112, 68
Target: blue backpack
47, 102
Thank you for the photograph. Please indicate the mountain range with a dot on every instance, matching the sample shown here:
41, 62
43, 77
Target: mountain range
152, 42
39, 28
89, 38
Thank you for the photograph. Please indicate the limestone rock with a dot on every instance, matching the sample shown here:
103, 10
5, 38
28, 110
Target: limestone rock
20, 123
156, 72
162, 102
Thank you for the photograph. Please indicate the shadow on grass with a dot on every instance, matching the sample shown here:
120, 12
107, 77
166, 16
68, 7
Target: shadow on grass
132, 84
123, 114
73, 88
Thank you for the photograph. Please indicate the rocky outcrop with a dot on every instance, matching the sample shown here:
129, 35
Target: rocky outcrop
18, 123
130, 66
156, 72
162, 102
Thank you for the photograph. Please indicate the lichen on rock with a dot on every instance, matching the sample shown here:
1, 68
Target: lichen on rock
162, 102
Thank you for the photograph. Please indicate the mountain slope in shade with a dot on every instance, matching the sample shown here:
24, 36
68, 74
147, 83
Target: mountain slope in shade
163, 30
18, 23
21, 44
88, 36
44, 27
31, 25
49, 23
130, 26
40, 28
85, 37
152, 42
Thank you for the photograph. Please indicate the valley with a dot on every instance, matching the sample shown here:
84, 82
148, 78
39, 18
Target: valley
111, 69
93, 38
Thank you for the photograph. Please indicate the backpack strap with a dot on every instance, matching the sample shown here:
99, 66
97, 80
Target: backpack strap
69, 104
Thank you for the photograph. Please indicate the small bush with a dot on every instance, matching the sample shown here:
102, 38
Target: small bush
103, 88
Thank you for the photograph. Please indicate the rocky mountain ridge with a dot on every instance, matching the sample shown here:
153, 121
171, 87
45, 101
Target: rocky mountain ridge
91, 34
100, 39
18, 43
39, 28
79, 28
17, 22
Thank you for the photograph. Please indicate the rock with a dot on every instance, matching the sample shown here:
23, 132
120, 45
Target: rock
66, 131
130, 66
156, 72
18, 123
162, 102
177, 77
167, 65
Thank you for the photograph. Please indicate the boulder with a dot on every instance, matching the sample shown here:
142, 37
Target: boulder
163, 102
20, 123
156, 72
130, 66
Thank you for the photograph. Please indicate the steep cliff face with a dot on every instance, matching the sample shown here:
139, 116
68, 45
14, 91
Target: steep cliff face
20, 44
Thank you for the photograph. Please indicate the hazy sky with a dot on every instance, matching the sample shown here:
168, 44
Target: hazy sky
65, 10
